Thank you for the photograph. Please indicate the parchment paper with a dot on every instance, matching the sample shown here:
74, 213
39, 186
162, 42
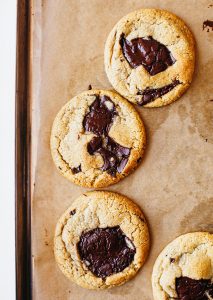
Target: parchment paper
173, 185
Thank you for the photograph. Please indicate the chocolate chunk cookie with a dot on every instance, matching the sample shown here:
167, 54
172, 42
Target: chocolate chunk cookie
101, 241
97, 139
184, 269
150, 57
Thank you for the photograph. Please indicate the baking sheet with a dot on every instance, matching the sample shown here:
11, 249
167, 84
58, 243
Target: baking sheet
173, 185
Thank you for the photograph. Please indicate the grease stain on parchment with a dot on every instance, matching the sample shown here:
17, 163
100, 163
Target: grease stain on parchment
199, 218
91, 73
201, 112
182, 112
124, 290
154, 117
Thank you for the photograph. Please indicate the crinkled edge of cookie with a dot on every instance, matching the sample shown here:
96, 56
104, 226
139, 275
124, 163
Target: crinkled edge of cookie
186, 78
136, 229
101, 179
182, 245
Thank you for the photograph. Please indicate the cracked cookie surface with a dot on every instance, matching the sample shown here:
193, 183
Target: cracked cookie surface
97, 139
150, 50
184, 269
101, 241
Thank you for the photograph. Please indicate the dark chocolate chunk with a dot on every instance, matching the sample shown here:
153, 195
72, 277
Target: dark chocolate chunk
116, 148
191, 289
208, 24
151, 54
76, 170
73, 212
114, 155
99, 121
106, 251
149, 95
94, 145
89, 87
110, 160
122, 164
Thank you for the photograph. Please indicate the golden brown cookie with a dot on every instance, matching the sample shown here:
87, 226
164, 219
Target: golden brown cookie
101, 241
184, 269
97, 139
150, 57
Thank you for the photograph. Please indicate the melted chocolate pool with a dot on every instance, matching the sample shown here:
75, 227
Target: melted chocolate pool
99, 121
191, 289
106, 251
152, 55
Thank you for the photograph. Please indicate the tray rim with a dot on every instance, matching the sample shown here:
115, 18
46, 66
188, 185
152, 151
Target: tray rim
23, 154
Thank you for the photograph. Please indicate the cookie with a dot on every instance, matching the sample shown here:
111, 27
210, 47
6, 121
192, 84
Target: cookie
101, 241
150, 57
184, 269
97, 139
